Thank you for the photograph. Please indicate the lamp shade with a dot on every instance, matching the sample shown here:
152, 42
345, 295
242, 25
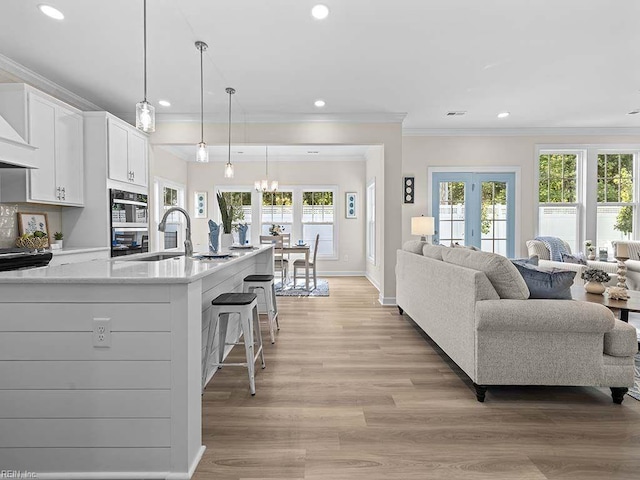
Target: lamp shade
422, 226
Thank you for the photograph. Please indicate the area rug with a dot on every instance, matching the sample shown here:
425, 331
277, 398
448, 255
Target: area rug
635, 390
299, 291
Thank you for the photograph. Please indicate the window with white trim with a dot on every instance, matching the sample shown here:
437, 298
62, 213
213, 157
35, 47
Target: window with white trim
318, 214
277, 209
371, 222
616, 203
169, 194
241, 201
558, 195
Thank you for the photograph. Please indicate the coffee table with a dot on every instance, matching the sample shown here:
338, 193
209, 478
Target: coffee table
632, 304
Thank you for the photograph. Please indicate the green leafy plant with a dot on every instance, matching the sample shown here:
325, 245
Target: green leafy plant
58, 236
230, 214
595, 275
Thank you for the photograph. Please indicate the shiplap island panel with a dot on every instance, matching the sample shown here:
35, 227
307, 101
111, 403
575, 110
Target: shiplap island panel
69, 409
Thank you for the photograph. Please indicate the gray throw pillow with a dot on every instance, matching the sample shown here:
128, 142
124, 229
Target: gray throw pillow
577, 259
433, 251
551, 284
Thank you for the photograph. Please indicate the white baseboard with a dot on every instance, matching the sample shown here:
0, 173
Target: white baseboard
372, 281
192, 468
387, 301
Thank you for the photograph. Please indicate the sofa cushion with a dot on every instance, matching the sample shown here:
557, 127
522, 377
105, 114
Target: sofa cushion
547, 283
502, 274
534, 260
433, 251
621, 341
414, 246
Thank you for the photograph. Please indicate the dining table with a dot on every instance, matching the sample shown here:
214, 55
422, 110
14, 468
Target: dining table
297, 248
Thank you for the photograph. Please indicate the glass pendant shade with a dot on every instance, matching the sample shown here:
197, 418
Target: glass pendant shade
274, 186
257, 185
265, 185
202, 155
145, 117
228, 170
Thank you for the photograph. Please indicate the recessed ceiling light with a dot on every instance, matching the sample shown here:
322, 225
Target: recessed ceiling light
503, 114
319, 103
51, 12
164, 103
320, 11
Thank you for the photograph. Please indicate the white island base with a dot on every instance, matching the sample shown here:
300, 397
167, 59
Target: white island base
132, 410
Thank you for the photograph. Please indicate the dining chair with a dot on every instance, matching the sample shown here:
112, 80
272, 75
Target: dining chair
280, 263
300, 263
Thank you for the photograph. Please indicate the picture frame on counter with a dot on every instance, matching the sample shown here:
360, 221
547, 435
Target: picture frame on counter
200, 205
32, 222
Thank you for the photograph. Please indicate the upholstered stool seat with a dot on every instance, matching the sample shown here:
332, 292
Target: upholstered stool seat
241, 308
265, 284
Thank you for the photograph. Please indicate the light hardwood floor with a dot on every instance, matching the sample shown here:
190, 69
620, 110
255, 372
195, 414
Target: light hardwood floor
353, 391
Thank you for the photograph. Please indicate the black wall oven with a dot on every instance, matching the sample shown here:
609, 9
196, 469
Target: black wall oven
129, 223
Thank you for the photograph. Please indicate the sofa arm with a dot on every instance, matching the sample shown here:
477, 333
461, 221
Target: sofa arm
621, 341
543, 316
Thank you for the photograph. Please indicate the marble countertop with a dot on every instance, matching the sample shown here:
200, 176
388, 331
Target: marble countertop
130, 270
72, 250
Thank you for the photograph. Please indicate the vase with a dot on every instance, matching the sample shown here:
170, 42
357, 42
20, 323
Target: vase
595, 287
591, 256
227, 240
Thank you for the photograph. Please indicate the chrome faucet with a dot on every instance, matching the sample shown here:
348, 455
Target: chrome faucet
188, 246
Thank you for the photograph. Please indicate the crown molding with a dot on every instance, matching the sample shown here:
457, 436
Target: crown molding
285, 118
519, 132
47, 86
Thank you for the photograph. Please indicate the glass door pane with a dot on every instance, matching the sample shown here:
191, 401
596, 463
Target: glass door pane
494, 217
451, 219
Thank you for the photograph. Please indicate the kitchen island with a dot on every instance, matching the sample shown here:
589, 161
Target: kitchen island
100, 364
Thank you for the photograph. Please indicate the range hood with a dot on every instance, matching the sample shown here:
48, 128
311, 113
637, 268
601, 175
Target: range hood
14, 151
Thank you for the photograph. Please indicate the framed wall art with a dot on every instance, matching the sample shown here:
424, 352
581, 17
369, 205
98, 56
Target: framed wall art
33, 222
408, 189
351, 205
200, 205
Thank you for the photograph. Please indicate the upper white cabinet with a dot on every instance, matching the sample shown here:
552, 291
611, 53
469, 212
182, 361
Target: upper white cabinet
56, 129
127, 153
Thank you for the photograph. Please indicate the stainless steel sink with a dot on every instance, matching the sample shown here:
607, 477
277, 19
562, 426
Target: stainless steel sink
157, 257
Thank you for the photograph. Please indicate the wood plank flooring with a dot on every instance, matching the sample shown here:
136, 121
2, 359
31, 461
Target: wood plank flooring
353, 391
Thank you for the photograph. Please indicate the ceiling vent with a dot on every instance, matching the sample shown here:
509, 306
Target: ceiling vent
456, 114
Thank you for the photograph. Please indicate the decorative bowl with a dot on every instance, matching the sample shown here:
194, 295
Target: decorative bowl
34, 243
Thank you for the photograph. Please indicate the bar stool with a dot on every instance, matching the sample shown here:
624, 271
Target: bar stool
266, 284
244, 307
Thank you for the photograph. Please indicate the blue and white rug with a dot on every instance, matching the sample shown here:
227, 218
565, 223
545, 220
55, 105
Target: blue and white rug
289, 290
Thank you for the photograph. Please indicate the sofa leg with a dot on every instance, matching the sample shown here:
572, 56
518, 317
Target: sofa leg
400, 310
617, 393
481, 391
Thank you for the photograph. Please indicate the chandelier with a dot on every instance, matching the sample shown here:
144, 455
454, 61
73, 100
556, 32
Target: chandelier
264, 185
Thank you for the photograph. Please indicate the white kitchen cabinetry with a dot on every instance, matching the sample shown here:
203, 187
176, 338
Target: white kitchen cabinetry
127, 153
56, 129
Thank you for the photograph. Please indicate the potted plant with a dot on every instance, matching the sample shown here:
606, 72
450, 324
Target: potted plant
590, 250
57, 237
276, 229
229, 214
595, 280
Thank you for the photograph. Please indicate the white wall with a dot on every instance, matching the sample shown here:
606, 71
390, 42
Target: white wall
346, 175
420, 153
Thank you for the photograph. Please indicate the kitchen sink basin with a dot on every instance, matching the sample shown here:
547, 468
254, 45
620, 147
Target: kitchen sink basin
158, 257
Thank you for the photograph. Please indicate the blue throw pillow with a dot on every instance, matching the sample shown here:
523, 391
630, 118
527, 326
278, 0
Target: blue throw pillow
550, 284
578, 258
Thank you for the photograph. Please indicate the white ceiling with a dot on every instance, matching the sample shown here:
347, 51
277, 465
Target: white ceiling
570, 63
277, 153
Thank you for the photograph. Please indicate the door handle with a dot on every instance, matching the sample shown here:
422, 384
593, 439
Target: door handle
58, 194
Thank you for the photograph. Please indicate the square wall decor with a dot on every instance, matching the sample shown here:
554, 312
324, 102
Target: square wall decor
351, 205
200, 205
408, 189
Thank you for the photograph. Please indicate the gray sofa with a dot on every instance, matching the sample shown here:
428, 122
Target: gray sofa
475, 306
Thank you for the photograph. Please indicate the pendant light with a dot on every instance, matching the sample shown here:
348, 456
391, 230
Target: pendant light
202, 155
145, 112
228, 168
263, 185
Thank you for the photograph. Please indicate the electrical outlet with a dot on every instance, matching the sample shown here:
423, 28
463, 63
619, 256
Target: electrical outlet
102, 332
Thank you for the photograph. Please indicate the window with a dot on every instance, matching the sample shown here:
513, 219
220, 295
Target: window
318, 212
558, 195
277, 209
371, 222
241, 201
172, 197
616, 207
